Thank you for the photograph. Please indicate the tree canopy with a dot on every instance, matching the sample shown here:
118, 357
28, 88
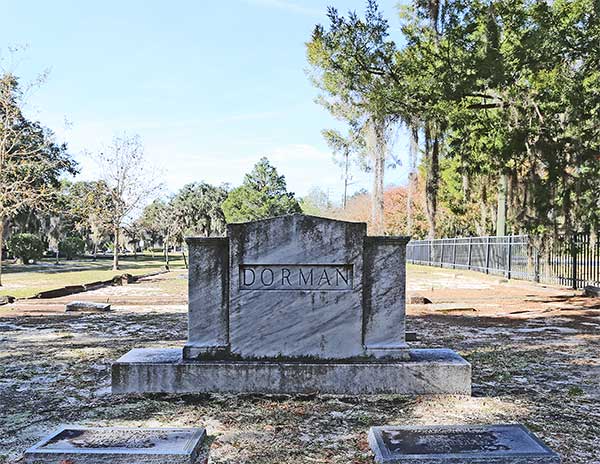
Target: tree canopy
263, 194
494, 93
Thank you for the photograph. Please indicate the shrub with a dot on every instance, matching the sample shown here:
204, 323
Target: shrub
71, 247
26, 247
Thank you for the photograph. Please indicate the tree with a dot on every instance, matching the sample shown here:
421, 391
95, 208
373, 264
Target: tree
31, 162
26, 247
350, 63
159, 222
346, 146
316, 202
262, 195
197, 207
130, 181
85, 209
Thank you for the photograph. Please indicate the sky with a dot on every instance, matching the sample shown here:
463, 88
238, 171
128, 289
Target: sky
210, 86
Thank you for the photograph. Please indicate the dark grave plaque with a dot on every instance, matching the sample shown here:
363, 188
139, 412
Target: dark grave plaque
477, 444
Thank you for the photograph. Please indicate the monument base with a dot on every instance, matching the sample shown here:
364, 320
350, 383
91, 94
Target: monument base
164, 370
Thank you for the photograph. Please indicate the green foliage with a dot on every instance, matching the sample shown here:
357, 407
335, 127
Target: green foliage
197, 209
31, 162
262, 195
496, 89
26, 247
71, 247
84, 207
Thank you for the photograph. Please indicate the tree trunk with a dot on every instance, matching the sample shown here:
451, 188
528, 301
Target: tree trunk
432, 152
412, 177
1, 246
377, 150
378, 200
116, 250
184, 257
346, 169
167, 252
501, 211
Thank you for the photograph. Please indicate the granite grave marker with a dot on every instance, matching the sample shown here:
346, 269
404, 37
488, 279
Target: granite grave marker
295, 304
119, 445
459, 444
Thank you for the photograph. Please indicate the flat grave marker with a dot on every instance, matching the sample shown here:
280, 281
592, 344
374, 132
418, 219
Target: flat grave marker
118, 445
459, 444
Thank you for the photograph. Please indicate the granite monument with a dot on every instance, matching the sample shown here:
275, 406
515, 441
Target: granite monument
295, 304
459, 444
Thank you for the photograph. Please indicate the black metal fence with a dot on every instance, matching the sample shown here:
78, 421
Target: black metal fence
573, 262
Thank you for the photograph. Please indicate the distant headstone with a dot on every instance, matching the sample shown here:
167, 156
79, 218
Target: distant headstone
419, 300
592, 291
455, 444
116, 445
296, 304
86, 306
6, 299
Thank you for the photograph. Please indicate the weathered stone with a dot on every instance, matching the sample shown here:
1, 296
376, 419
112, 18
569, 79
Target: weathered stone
434, 371
469, 444
307, 296
297, 287
208, 290
384, 296
99, 445
86, 306
592, 291
293, 304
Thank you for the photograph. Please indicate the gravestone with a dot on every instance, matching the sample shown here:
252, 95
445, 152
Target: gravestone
459, 444
295, 304
86, 306
119, 445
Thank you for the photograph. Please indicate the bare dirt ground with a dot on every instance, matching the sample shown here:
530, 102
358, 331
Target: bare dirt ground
535, 353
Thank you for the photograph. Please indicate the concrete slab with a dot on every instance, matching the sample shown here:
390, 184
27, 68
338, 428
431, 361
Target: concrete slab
459, 444
428, 371
118, 445
86, 306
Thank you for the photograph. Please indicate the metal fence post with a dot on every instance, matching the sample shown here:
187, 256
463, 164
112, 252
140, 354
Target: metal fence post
487, 255
536, 265
470, 251
509, 257
574, 261
442, 253
454, 254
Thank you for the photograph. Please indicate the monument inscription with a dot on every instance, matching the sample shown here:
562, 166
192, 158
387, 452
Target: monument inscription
315, 277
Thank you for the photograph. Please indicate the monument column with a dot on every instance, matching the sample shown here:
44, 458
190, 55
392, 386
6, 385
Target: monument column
384, 280
208, 290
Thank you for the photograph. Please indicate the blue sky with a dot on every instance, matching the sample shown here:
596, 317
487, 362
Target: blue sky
209, 86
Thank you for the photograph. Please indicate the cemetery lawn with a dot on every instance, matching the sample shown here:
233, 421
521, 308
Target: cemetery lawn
535, 353
24, 281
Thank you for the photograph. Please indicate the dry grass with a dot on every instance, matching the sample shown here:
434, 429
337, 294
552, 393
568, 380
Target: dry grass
541, 371
23, 281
